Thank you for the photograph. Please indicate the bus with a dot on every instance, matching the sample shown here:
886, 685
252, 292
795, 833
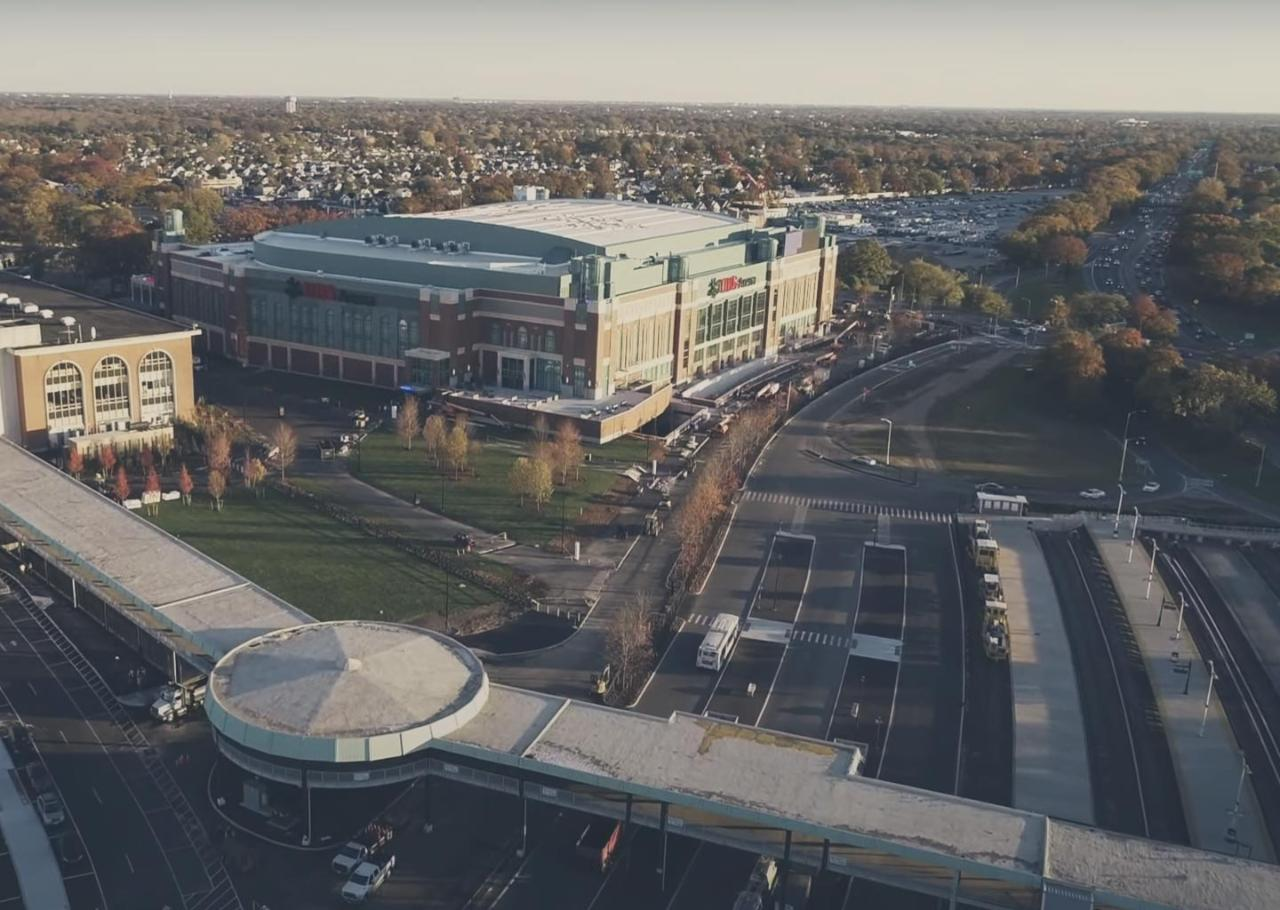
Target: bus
719, 642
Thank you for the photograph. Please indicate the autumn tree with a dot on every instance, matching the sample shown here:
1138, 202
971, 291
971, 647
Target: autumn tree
75, 462
285, 443
986, 300
519, 478
925, 283
407, 420
457, 449
217, 487
121, 484
185, 484
254, 473
864, 266
1076, 361
107, 459
1058, 315
434, 435
218, 452
1064, 250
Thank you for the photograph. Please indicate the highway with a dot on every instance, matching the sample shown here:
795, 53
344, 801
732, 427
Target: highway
793, 556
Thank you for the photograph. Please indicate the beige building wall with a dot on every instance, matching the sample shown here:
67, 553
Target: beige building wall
33, 365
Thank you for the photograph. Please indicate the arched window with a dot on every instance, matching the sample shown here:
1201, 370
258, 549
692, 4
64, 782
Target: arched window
155, 384
64, 397
110, 394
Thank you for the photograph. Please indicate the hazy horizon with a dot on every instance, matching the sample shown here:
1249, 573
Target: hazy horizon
1138, 57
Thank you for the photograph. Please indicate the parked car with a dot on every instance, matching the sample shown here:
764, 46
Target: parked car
1151, 486
1092, 493
50, 809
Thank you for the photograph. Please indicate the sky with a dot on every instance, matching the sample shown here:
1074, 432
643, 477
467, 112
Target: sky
1123, 55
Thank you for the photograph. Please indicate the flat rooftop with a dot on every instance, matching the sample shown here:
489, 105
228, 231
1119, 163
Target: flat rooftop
350, 691
182, 588
599, 222
403, 251
110, 320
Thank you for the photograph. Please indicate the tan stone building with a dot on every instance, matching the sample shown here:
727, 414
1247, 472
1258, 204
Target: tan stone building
76, 368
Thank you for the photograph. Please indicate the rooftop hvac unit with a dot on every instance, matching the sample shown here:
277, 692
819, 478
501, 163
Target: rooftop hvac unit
393, 240
46, 314
416, 244
13, 302
465, 247
68, 321
382, 239
368, 239
29, 308
426, 243
3, 297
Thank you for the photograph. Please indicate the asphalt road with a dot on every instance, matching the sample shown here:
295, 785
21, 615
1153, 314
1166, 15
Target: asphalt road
141, 857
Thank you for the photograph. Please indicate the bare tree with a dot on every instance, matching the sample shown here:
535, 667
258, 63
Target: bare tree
153, 487
629, 647
285, 442
217, 486
541, 429
434, 434
407, 420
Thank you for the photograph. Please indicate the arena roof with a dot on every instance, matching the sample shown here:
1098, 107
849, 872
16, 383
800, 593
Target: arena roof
599, 222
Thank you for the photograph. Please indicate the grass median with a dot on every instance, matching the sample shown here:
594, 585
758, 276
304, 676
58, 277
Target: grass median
320, 565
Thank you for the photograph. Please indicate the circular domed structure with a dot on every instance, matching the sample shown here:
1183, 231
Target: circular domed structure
344, 692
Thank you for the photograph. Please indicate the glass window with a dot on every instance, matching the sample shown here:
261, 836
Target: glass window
549, 342
155, 385
64, 397
110, 392
522, 338
495, 333
731, 317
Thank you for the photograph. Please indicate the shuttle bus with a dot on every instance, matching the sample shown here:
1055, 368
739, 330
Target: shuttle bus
719, 643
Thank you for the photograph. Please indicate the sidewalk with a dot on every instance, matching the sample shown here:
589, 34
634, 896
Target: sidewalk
1050, 755
1208, 767
39, 876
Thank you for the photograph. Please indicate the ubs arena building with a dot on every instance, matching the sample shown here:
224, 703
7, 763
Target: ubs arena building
555, 299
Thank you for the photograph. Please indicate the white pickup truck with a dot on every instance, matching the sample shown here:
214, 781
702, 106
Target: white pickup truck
368, 878
352, 854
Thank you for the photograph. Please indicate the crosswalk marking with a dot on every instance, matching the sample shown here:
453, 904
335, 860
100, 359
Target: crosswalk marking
851, 506
798, 636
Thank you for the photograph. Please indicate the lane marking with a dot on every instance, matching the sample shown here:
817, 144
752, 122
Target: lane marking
32, 687
94, 791
63, 734
132, 871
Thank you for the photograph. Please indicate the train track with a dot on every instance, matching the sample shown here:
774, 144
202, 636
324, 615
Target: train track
1251, 702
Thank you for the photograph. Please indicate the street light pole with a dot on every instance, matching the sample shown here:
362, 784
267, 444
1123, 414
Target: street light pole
1115, 532
1151, 572
1133, 536
1124, 448
1257, 481
888, 446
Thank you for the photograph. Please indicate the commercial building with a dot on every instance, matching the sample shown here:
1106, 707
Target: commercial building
74, 367
570, 298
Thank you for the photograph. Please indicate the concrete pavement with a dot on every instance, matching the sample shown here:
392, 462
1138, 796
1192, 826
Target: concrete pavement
1208, 765
1050, 764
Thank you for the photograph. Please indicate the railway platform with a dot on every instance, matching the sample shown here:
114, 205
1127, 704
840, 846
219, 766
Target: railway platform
1050, 757
1205, 753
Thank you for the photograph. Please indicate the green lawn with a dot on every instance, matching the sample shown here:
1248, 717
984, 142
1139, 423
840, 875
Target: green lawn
484, 499
1229, 460
1006, 428
326, 568
1035, 289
